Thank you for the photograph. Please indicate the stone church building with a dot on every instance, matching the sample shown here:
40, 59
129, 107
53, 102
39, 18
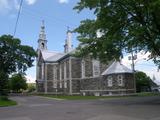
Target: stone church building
61, 73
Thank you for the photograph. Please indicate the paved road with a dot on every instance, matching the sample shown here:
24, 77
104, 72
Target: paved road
39, 108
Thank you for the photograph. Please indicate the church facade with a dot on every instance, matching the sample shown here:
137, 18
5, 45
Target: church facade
61, 73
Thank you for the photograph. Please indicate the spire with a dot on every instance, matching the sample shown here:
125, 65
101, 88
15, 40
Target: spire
68, 41
42, 42
42, 34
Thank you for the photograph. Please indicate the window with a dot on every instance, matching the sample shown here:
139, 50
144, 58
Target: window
60, 84
110, 81
120, 80
65, 84
42, 45
60, 76
83, 69
55, 76
96, 68
55, 84
64, 70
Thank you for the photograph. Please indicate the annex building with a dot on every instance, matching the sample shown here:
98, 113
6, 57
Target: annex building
61, 73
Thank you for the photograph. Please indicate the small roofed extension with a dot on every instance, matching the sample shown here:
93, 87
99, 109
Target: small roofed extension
119, 77
62, 73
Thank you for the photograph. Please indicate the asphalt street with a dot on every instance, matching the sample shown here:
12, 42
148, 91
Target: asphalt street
40, 108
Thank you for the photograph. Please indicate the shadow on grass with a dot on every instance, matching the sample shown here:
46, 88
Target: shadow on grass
4, 101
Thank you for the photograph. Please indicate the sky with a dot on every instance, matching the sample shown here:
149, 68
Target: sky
58, 15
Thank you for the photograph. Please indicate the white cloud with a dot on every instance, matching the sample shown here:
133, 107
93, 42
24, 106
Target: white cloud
63, 1
31, 2
10, 5
4, 6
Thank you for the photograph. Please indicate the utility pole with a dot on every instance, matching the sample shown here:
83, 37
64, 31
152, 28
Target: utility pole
132, 58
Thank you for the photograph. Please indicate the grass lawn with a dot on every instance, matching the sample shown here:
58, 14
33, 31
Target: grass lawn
6, 102
97, 97
143, 94
67, 97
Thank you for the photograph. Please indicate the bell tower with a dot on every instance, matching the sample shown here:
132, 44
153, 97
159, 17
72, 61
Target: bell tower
68, 41
42, 42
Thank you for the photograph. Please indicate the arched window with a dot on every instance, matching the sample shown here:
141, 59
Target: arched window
83, 69
55, 76
110, 81
96, 68
42, 45
120, 80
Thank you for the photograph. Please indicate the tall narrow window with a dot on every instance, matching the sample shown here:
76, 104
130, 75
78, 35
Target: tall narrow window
64, 70
60, 76
110, 81
83, 69
55, 77
96, 68
120, 80
65, 81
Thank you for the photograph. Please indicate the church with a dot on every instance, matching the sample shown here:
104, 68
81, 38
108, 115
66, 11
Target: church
63, 73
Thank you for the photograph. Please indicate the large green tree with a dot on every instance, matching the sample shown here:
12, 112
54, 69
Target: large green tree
143, 82
18, 83
123, 25
14, 57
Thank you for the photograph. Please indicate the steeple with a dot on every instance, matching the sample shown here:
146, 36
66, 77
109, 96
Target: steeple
68, 41
42, 42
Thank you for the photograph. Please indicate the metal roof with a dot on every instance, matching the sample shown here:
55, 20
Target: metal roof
51, 56
116, 67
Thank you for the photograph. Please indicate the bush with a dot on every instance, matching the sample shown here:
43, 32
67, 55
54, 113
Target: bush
4, 98
18, 83
31, 87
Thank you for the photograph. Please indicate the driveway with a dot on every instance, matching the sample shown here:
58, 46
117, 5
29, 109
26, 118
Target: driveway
40, 108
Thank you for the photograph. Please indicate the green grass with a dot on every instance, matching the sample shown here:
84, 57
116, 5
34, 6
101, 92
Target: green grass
143, 94
4, 101
81, 97
67, 97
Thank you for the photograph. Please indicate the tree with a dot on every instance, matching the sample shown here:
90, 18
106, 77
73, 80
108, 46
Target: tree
123, 25
18, 82
143, 82
14, 57
31, 87
3, 84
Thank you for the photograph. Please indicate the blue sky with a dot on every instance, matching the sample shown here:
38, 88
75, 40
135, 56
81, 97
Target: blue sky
57, 14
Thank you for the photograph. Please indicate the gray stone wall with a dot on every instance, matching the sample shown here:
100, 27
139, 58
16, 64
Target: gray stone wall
130, 83
88, 67
40, 72
49, 72
76, 68
76, 85
67, 68
40, 86
90, 84
58, 72
127, 80
62, 69
49, 86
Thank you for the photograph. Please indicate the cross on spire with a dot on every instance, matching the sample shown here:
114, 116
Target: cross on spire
42, 42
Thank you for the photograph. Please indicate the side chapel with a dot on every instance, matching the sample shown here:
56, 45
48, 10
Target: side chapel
61, 73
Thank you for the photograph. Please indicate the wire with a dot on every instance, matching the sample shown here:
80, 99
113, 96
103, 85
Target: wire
15, 29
